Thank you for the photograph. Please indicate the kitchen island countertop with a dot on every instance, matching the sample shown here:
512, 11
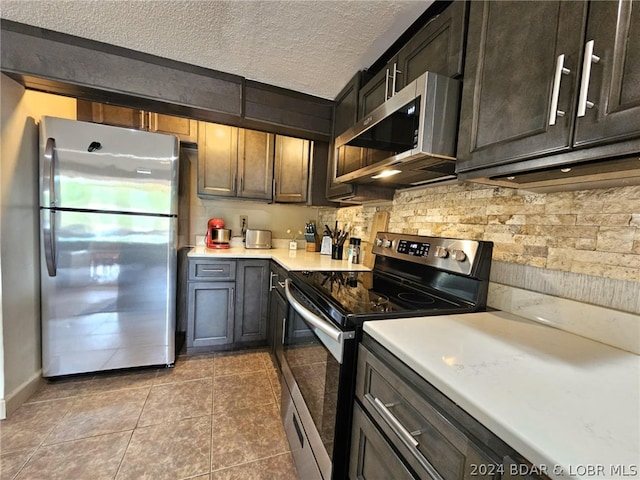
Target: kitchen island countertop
566, 403
290, 259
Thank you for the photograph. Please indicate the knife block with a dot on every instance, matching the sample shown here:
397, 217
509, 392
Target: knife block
315, 245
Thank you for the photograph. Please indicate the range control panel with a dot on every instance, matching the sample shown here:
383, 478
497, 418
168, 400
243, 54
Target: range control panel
452, 254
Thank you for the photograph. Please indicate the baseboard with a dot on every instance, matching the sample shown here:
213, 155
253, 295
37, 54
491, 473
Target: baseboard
13, 401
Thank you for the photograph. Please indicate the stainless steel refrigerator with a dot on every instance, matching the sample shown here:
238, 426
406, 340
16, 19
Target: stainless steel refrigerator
108, 213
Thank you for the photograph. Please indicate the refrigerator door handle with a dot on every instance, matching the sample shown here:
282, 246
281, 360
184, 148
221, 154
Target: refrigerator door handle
49, 174
49, 240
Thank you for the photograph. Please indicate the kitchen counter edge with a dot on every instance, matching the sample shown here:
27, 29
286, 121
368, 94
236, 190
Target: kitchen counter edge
292, 260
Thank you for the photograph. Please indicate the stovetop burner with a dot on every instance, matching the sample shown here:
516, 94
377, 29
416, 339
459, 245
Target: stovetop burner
420, 299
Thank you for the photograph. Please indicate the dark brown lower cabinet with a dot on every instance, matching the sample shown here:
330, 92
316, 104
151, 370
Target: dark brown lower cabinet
211, 314
252, 301
372, 457
227, 304
403, 427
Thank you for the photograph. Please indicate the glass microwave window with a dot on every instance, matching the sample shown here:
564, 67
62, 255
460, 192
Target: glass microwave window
397, 133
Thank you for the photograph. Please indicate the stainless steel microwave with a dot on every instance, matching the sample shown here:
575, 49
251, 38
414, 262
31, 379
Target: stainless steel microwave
408, 140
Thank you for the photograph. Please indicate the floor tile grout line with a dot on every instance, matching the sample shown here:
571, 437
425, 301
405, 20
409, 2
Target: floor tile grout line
124, 454
261, 459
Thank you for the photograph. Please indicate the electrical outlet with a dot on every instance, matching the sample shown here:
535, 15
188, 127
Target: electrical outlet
244, 222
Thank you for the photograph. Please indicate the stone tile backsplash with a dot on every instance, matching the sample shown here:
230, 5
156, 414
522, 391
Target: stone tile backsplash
589, 232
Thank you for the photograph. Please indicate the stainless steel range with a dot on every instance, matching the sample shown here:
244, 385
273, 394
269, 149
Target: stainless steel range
412, 276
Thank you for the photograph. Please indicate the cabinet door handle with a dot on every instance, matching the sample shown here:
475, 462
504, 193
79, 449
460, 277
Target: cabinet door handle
272, 275
212, 270
392, 421
386, 86
231, 298
589, 58
395, 75
284, 329
555, 94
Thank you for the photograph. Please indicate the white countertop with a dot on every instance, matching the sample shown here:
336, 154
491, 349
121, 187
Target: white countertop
561, 400
290, 259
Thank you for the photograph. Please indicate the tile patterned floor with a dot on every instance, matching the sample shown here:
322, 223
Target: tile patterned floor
210, 417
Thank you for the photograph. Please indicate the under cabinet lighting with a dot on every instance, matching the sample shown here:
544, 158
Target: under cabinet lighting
565, 170
387, 173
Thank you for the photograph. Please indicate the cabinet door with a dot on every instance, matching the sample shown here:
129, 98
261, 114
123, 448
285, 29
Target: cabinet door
185, 128
509, 74
111, 115
291, 169
375, 92
345, 116
438, 47
255, 164
278, 311
346, 106
217, 159
210, 314
252, 304
614, 83
372, 457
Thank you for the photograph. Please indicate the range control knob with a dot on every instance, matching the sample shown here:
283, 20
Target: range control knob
441, 252
458, 255
386, 243
378, 242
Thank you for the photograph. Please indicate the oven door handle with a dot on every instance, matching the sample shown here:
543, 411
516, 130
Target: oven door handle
322, 326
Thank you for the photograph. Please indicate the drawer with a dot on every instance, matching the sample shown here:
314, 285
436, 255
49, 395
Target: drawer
212, 270
371, 456
431, 444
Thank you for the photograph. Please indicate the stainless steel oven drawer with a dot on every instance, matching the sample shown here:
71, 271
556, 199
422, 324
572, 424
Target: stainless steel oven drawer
427, 440
300, 449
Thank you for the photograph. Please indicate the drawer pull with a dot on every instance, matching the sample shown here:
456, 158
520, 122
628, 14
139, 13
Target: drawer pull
212, 270
393, 422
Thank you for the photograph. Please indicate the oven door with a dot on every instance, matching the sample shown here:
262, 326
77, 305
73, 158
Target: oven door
313, 353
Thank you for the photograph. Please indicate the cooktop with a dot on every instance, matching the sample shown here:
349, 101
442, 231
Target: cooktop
353, 297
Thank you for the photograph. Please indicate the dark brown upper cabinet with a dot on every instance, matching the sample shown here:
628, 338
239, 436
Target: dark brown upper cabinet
291, 180
255, 164
526, 82
217, 160
248, 164
437, 47
184, 128
234, 162
614, 82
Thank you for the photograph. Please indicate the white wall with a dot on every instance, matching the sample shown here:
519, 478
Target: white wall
19, 251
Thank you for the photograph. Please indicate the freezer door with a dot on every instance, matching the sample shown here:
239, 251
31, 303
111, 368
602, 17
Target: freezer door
98, 167
111, 303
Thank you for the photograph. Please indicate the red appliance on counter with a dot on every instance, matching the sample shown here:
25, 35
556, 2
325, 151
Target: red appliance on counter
217, 236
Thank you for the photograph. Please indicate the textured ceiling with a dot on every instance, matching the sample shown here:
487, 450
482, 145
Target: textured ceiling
312, 46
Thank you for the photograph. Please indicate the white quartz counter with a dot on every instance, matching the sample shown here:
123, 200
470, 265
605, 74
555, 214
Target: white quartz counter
289, 259
566, 403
